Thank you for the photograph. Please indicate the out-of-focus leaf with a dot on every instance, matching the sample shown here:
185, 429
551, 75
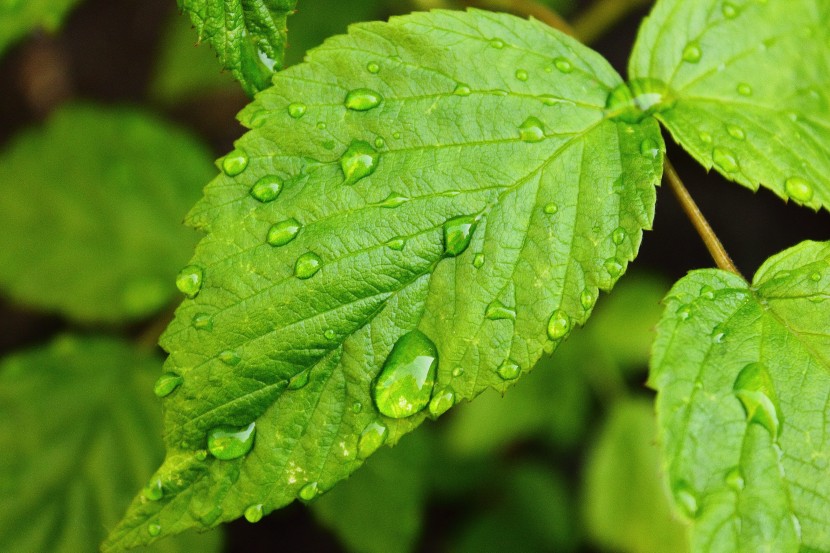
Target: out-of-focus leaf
18, 17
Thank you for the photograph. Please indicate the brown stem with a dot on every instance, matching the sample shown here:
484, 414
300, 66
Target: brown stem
710, 239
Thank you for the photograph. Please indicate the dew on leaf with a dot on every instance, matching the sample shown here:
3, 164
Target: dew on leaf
735, 479
618, 236
231, 442
496, 310
358, 161
736, 132
692, 52
705, 137
230, 357
307, 265
283, 232
756, 392
613, 266
380, 142
478, 260
392, 200
396, 244
744, 89
462, 89
683, 312
532, 130
509, 370
372, 67
649, 147
309, 491
725, 160
253, 513
559, 325
154, 529
153, 490
521, 74
267, 188
639, 98
299, 380
201, 455
497, 43
357, 407
564, 65
296, 110
166, 384
330, 334
189, 280
458, 371
372, 437
729, 10
322, 125
404, 385
815, 277
202, 321
362, 99
550, 208
707, 292
799, 189
458, 232
441, 402
586, 299
685, 498
235, 162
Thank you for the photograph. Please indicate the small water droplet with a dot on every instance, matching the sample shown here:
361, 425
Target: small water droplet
253, 513
815, 277
330, 334
299, 380
692, 52
392, 200
736, 132
201, 454
754, 388
357, 407
618, 236
189, 281
705, 137
404, 385
309, 491
725, 160
235, 162
799, 189
441, 402
735, 479
372, 437
684, 312
613, 267
358, 161
564, 65
283, 232
396, 135
496, 310
497, 43
744, 89
154, 529
707, 292
372, 67
307, 265
549, 100
231, 442
685, 498
296, 110
478, 260
559, 325
267, 188
229, 357
379, 142
521, 74
650, 148
509, 370
458, 232
462, 89
322, 125
729, 10
396, 244
362, 99
153, 490
551, 208
532, 130
166, 383
587, 299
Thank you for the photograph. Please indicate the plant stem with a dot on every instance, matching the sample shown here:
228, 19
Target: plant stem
601, 15
710, 239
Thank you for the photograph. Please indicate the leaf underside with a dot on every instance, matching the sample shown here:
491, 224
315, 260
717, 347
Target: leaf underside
750, 82
559, 215
249, 36
749, 468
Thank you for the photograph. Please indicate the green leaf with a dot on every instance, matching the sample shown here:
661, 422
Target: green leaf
625, 502
742, 377
90, 204
406, 216
248, 35
19, 17
79, 431
748, 89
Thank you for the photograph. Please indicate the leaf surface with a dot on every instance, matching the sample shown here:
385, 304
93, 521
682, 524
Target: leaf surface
18, 17
748, 89
742, 377
248, 35
427, 211
73, 450
89, 211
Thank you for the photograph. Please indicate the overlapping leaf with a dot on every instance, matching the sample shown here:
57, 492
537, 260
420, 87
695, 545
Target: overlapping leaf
747, 88
743, 375
365, 243
18, 17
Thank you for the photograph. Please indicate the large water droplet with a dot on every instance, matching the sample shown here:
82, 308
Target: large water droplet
497, 310
358, 161
371, 439
363, 99
559, 325
618, 236
235, 162
692, 52
725, 160
532, 130
441, 402
586, 299
189, 280
299, 380
754, 388
283, 232
166, 383
307, 265
509, 370
634, 101
685, 498
231, 442
404, 385
564, 65
267, 188
309, 491
296, 110
799, 189
254, 513
458, 232
202, 321
153, 490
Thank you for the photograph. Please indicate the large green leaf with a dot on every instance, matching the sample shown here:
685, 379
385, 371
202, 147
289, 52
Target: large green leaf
248, 35
18, 17
79, 431
482, 204
747, 88
742, 377
89, 211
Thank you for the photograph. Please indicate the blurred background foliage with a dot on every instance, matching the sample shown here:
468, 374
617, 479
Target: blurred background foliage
109, 118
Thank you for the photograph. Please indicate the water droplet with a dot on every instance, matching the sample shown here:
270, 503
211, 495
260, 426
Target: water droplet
705, 137
154, 529
478, 260
551, 208
201, 455
613, 266
558, 325
462, 89
379, 142
307, 265
322, 125
396, 244
357, 407
441, 402
692, 53
725, 160
283, 232
153, 490
231, 442
362, 99
754, 388
684, 312
815, 277
550, 100
202, 321
634, 101
458, 232
736, 132
509, 370
521, 74
358, 161
254, 513
707, 292
296, 110
587, 299
392, 200
372, 437
497, 43
166, 383
330, 334
309, 491
458, 371
650, 148
564, 65
618, 236
729, 10
685, 498
496, 310
372, 67
189, 280
404, 385
532, 130
230, 357
735, 480
267, 188
235, 162
299, 380
396, 135
744, 89
799, 189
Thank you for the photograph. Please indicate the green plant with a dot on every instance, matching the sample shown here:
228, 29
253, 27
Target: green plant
420, 211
